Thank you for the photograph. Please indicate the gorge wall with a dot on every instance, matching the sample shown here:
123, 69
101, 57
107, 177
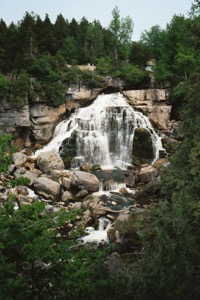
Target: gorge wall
35, 123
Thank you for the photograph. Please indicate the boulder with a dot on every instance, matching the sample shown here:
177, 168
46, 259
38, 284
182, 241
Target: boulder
143, 151
147, 174
169, 143
85, 168
85, 181
31, 175
68, 150
19, 159
90, 202
87, 219
48, 186
48, 161
123, 191
66, 183
130, 181
66, 196
82, 194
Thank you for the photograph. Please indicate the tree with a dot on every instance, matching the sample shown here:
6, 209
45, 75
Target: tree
122, 29
94, 42
48, 41
61, 30
153, 39
3, 44
70, 50
131, 74
139, 54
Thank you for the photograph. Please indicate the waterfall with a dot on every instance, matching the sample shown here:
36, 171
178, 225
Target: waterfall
104, 132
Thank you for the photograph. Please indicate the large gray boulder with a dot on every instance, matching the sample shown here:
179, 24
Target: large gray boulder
47, 161
19, 159
148, 174
85, 181
47, 186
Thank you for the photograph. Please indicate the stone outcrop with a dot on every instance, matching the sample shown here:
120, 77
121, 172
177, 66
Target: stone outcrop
142, 147
147, 174
85, 181
19, 159
43, 119
15, 117
38, 120
48, 161
153, 103
45, 186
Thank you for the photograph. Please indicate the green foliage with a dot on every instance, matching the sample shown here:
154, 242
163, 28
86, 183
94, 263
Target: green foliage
70, 50
15, 90
122, 29
140, 54
131, 74
104, 66
5, 152
38, 261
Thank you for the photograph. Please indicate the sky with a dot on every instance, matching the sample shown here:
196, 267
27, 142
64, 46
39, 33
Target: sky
144, 13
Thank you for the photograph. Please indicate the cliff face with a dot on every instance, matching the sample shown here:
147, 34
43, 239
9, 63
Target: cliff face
154, 104
35, 123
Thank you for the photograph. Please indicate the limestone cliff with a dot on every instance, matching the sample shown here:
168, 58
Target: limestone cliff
37, 121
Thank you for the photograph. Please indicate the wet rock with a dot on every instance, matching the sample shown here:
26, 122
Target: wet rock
87, 219
96, 168
98, 211
85, 168
130, 181
107, 185
160, 163
82, 194
147, 174
68, 150
123, 191
86, 181
90, 202
142, 147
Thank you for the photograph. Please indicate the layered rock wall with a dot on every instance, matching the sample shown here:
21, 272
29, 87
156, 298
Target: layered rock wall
154, 104
39, 119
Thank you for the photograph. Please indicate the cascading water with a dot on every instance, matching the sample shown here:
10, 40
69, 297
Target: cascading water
104, 132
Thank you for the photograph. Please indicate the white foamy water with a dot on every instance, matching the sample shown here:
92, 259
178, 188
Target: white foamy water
97, 236
104, 132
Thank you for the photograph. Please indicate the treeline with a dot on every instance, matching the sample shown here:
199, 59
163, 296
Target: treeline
37, 52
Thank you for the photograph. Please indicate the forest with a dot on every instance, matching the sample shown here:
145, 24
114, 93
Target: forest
164, 263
